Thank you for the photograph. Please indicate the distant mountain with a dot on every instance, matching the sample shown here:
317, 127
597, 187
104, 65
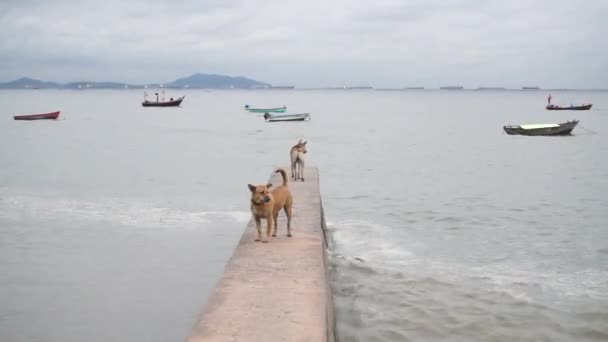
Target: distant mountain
216, 81
26, 82
194, 81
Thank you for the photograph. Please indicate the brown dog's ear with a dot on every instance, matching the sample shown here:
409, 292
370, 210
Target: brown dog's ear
268, 185
251, 187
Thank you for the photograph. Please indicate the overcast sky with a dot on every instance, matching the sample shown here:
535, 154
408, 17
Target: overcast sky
307, 43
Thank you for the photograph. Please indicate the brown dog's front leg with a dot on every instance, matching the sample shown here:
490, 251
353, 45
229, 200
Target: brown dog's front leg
268, 228
258, 224
276, 226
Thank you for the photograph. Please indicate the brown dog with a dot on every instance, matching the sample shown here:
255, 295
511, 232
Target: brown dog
266, 205
297, 154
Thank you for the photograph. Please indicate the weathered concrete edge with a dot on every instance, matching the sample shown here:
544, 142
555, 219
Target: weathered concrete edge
330, 315
326, 243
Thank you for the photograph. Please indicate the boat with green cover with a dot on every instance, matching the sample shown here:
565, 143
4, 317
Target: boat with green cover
266, 110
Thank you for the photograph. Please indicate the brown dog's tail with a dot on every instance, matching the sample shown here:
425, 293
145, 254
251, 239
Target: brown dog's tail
284, 174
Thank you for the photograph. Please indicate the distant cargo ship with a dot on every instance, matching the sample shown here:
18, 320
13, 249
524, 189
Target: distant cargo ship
347, 88
359, 87
491, 88
530, 88
282, 87
452, 88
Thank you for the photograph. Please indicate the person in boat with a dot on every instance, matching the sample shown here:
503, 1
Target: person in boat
549, 99
171, 99
266, 116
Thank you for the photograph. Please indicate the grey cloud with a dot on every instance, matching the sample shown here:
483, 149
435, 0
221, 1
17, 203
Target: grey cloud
385, 42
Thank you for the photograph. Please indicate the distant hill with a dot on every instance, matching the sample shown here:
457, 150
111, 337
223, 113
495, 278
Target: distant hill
194, 81
26, 82
216, 81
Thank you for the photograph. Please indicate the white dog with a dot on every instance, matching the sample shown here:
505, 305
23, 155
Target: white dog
297, 154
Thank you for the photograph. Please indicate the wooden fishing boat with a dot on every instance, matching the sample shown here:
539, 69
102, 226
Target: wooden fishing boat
572, 107
170, 103
52, 115
288, 117
266, 110
542, 129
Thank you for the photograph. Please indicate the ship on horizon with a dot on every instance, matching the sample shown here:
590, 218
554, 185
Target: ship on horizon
491, 88
284, 87
359, 88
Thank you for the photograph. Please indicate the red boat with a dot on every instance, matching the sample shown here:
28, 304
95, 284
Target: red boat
581, 107
52, 115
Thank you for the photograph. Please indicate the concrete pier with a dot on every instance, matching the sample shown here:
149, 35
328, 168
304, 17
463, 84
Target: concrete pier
275, 291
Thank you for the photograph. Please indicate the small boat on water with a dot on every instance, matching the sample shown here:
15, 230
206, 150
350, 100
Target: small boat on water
542, 129
571, 107
266, 110
287, 117
162, 103
52, 115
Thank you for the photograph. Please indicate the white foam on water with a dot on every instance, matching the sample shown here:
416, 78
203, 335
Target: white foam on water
126, 212
372, 242
513, 278
369, 242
